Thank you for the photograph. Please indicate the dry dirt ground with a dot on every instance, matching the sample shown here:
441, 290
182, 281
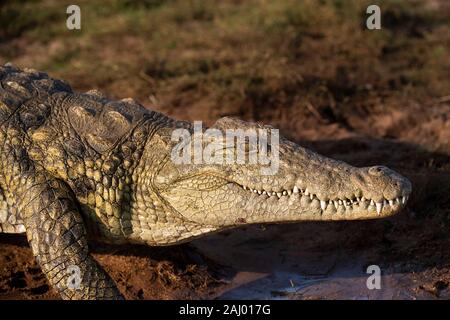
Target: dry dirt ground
312, 70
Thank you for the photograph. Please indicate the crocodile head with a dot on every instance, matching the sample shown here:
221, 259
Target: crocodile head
304, 186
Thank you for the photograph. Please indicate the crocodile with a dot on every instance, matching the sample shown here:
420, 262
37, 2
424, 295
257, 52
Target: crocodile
78, 167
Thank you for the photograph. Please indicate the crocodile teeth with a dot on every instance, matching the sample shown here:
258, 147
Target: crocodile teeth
379, 207
346, 203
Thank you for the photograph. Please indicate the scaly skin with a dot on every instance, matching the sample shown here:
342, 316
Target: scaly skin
78, 166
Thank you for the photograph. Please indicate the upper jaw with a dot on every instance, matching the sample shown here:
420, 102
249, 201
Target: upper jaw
349, 193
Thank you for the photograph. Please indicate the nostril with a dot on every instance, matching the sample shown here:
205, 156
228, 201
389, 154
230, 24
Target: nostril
376, 170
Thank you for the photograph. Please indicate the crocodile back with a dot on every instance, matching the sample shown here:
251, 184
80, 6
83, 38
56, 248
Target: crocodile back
103, 123
25, 88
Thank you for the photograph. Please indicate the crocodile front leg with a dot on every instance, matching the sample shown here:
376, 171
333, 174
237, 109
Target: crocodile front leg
57, 235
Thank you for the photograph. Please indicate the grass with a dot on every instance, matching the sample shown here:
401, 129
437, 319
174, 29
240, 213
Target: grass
243, 58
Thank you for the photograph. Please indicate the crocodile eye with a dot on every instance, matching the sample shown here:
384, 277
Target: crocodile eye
247, 146
251, 148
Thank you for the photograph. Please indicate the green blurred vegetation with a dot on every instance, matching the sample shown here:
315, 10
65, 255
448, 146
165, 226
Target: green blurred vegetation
248, 58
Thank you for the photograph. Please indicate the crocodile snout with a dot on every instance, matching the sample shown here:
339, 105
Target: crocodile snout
380, 182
